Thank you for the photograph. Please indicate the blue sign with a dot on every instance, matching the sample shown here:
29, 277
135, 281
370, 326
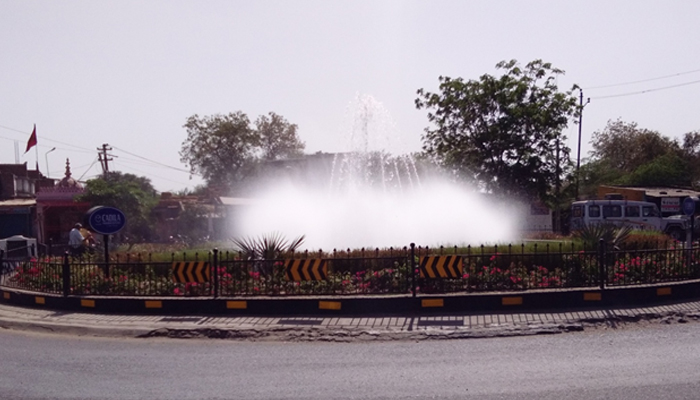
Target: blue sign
106, 220
689, 206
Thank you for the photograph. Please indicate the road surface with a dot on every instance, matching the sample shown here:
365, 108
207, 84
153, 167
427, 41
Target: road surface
643, 362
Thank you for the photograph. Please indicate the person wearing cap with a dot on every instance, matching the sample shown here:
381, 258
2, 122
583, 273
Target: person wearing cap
75, 241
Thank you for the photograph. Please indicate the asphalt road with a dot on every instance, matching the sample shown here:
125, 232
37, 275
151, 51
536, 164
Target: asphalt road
643, 362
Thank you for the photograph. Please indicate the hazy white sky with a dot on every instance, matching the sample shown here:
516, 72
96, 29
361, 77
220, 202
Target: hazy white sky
129, 73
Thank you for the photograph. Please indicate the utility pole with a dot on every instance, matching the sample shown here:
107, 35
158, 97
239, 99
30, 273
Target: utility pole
102, 156
557, 188
580, 122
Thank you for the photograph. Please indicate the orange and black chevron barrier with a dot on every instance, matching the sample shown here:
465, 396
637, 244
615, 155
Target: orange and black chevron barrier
191, 272
311, 269
441, 267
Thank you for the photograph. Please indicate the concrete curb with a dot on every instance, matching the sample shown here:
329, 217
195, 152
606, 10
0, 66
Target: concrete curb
415, 328
326, 306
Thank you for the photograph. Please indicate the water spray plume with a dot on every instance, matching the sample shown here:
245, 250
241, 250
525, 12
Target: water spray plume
373, 198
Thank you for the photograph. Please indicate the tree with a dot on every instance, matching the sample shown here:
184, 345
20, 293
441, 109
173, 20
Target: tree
133, 195
222, 148
504, 133
226, 150
666, 170
278, 138
624, 154
625, 147
690, 152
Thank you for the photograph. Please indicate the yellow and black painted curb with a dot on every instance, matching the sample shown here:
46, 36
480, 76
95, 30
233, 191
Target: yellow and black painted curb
362, 305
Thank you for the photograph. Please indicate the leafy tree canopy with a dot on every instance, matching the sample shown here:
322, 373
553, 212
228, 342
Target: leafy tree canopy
690, 152
133, 195
624, 154
667, 170
626, 147
226, 149
503, 133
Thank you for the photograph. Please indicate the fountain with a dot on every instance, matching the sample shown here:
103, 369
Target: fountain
374, 198
369, 164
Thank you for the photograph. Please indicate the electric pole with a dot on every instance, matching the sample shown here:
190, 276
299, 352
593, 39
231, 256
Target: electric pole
104, 158
580, 122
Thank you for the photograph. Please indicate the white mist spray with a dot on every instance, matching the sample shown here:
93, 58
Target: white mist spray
374, 199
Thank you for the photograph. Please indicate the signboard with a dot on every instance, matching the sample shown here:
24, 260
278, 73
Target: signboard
193, 271
106, 220
670, 204
689, 206
441, 267
312, 269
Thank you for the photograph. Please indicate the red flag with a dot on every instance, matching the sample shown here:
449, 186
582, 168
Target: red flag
32, 140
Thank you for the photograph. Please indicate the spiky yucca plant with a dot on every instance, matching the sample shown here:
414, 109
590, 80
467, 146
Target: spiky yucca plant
267, 246
613, 235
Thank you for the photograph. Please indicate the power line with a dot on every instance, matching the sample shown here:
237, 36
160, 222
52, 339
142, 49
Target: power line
45, 146
86, 171
643, 80
148, 162
145, 161
154, 162
646, 91
122, 165
47, 139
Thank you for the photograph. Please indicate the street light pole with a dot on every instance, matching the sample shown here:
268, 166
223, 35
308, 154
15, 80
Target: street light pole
580, 122
46, 157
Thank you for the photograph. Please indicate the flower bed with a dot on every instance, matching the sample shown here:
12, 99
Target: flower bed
361, 275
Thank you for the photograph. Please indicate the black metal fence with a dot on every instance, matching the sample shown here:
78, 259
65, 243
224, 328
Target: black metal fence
509, 268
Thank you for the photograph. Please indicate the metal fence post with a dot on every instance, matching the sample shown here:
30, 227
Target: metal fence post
413, 268
66, 275
215, 267
601, 262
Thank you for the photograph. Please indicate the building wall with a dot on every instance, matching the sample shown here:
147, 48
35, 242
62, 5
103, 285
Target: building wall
627, 193
17, 223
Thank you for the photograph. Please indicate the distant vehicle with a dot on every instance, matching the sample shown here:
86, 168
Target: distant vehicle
638, 214
18, 247
14, 251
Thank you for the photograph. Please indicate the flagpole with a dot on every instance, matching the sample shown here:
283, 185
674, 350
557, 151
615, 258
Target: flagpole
37, 157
